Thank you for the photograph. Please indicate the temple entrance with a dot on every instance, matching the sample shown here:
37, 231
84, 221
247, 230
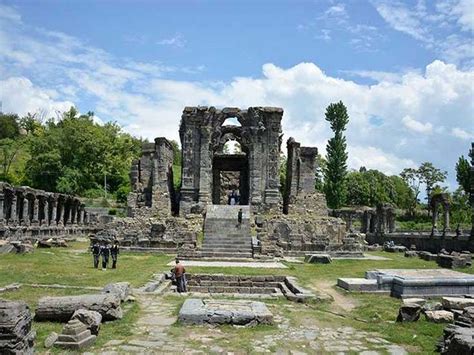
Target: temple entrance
230, 172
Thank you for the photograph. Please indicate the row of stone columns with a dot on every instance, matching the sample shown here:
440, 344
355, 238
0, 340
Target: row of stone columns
24, 206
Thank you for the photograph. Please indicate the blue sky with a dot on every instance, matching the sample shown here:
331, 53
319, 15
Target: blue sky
403, 68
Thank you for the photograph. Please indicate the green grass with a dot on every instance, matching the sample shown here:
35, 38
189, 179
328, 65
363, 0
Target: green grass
73, 266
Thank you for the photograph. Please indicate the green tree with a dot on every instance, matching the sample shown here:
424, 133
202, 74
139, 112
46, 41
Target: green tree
412, 179
176, 153
9, 127
30, 124
336, 156
9, 149
463, 169
430, 175
320, 166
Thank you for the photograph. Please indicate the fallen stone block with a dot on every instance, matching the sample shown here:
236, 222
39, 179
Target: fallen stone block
357, 284
418, 301
121, 289
411, 254
457, 340
50, 340
409, 313
91, 319
61, 309
16, 335
439, 316
457, 302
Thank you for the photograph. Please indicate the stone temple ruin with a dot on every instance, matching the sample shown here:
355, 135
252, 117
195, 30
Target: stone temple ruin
291, 222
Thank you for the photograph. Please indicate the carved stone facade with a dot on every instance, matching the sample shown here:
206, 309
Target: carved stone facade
30, 212
203, 135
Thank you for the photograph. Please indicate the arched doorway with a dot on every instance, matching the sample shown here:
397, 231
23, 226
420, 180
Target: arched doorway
230, 168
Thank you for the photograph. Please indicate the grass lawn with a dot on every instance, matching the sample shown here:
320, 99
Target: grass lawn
73, 266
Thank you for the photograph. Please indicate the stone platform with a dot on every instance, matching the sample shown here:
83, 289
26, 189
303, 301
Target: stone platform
216, 263
197, 311
412, 282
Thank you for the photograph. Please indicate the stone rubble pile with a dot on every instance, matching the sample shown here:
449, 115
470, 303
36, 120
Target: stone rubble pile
16, 246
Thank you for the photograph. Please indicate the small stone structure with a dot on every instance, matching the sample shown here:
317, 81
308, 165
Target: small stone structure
412, 283
16, 334
239, 312
75, 336
244, 285
31, 213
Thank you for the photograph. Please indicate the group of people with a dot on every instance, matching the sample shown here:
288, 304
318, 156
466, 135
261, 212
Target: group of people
233, 198
104, 251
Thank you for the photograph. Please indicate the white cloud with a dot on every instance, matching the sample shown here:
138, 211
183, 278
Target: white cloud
176, 41
438, 29
417, 126
460, 133
19, 95
374, 158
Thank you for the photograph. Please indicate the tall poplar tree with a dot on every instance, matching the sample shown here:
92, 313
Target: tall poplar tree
336, 156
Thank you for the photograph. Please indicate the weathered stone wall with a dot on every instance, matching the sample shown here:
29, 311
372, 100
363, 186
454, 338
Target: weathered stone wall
27, 212
152, 179
165, 234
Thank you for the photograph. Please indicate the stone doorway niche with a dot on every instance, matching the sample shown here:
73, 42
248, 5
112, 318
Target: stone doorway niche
230, 171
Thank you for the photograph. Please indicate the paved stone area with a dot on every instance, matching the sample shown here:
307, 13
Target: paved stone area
156, 334
250, 264
421, 273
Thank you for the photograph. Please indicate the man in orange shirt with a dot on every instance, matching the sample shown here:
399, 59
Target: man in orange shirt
179, 271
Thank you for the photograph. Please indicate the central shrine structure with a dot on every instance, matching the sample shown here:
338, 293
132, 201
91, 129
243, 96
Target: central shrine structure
290, 220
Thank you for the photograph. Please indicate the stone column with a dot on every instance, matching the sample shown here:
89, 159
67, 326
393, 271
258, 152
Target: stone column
205, 175
60, 211
54, 205
292, 171
26, 211
14, 209
446, 218
68, 212
73, 213
35, 202
2, 208
273, 131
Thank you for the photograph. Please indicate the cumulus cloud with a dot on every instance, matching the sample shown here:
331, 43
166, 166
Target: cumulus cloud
417, 126
460, 133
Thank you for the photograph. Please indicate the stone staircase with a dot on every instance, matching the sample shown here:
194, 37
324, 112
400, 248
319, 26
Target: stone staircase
223, 236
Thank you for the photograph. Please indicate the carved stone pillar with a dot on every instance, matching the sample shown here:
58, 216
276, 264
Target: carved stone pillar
435, 216
35, 202
205, 175
26, 211
273, 131
2, 208
446, 218
60, 211
54, 205
45, 214
14, 209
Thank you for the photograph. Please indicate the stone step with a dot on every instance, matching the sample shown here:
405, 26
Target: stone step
226, 246
226, 250
227, 240
226, 254
239, 289
224, 283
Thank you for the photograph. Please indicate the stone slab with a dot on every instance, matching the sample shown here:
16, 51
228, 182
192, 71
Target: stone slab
357, 284
252, 264
238, 312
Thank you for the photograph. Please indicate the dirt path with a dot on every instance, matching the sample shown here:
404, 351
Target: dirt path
341, 302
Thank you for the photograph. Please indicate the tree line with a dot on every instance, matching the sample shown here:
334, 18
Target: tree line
72, 154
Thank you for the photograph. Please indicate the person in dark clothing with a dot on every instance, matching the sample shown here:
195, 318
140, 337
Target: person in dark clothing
179, 271
239, 218
105, 252
114, 250
95, 248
